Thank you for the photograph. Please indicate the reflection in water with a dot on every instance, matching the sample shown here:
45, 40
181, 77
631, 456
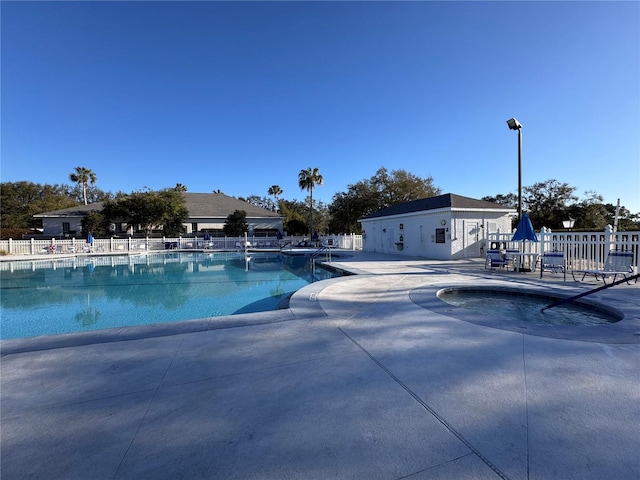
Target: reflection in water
89, 293
88, 316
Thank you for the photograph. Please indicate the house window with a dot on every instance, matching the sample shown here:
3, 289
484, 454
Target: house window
66, 227
440, 235
194, 227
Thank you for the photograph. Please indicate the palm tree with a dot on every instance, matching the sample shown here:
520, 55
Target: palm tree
307, 179
275, 190
180, 187
83, 176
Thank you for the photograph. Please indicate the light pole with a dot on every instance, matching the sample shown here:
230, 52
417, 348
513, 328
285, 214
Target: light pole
515, 125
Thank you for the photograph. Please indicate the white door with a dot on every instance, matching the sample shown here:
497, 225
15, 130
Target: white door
390, 244
471, 240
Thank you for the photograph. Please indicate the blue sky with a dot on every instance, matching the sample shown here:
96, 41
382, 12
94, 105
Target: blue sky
239, 96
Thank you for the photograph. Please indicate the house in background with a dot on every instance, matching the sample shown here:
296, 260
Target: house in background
207, 212
445, 227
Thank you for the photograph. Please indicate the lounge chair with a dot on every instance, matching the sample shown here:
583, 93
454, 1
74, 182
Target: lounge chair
553, 262
495, 258
617, 263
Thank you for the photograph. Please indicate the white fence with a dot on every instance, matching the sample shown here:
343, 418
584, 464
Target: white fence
128, 245
583, 250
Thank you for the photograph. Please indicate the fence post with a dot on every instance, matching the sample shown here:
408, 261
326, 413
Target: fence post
543, 235
608, 238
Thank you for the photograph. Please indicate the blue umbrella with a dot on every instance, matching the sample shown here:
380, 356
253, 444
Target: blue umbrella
279, 235
524, 230
207, 237
90, 239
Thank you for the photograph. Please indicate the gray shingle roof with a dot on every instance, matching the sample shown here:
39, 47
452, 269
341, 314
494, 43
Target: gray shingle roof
220, 205
448, 200
77, 211
199, 205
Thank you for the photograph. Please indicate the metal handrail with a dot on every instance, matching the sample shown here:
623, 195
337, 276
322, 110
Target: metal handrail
584, 294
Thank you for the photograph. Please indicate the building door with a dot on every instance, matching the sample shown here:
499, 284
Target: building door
471, 240
390, 246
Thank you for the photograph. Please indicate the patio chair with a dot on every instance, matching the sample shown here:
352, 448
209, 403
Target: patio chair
617, 263
553, 262
495, 258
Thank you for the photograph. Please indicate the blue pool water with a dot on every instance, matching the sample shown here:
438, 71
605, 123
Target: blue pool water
93, 293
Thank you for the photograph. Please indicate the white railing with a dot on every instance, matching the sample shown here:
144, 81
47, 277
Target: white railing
583, 250
129, 245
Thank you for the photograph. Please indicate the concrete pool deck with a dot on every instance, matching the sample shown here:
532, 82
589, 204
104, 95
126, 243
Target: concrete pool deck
354, 380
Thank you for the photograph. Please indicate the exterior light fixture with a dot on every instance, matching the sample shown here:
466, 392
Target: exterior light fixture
516, 125
568, 224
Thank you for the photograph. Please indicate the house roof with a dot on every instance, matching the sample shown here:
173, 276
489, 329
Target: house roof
219, 205
448, 200
199, 205
77, 211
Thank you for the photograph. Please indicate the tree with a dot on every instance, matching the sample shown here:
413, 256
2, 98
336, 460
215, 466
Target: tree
508, 200
547, 203
22, 200
307, 180
93, 194
149, 210
96, 223
83, 176
180, 187
401, 186
551, 202
262, 202
380, 191
294, 213
236, 223
276, 191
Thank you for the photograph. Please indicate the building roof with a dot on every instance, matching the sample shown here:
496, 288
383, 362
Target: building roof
77, 211
219, 205
199, 205
448, 200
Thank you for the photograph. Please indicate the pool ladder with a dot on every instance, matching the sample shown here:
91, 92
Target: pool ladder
317, 253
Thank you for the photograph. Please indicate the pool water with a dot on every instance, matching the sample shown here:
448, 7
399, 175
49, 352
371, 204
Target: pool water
92, 293
525, 307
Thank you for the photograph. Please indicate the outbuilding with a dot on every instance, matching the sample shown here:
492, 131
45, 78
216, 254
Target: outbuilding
444, 227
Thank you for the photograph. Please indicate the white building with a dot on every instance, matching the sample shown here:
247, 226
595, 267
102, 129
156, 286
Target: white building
207, 212
445, 227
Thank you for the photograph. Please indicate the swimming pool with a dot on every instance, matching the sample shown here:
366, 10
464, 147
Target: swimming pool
93, 293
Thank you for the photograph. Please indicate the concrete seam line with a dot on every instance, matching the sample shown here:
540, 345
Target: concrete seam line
526, 395
428, 408
146, 412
